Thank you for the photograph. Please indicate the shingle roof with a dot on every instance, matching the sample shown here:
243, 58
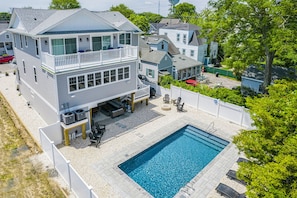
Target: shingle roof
182, 62
182, 26
118, 20
152, 56
172, 50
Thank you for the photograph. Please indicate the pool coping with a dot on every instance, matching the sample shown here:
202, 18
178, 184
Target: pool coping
199, 186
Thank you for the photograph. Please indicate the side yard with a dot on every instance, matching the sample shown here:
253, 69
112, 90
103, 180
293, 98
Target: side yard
19, 176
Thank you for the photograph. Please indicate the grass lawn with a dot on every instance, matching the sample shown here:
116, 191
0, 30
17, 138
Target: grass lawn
19, 177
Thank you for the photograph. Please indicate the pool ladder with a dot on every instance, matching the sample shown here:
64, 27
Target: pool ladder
211, 128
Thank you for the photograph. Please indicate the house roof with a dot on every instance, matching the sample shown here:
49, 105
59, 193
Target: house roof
42, 21
172, 50
152, 56
170, 21
118, 20
182, 62
257, 72
3, 25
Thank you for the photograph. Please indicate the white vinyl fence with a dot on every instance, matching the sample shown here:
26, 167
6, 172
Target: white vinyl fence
76, 184
236, 114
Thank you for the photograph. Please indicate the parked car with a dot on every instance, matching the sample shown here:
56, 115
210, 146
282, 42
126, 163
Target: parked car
6, 59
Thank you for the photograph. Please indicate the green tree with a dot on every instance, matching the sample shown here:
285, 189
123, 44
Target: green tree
184, 11
140, 21
271, 146
64, 4
4, 16
123, 9
152, 17
252, 31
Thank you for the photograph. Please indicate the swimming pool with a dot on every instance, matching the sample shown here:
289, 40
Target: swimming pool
170, 164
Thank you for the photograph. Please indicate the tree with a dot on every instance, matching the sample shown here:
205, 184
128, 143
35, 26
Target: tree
64, 4
184, 11
140, 21
252, 31
271, 147
4, 16
123, 9
152, 17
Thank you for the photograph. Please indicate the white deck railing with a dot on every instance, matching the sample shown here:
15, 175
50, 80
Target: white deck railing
60, 63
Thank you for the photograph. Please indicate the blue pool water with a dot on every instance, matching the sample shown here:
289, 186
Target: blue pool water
170, 164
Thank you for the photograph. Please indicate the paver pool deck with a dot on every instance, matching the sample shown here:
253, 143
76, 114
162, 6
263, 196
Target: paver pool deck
128, 135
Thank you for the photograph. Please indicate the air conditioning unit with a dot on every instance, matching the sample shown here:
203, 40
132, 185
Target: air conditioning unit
68, 118
80, 114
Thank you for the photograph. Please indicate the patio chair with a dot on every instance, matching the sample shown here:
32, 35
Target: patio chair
166, 98
180, 107
241, 159
232, 175
96, 135
227, 191
178, 100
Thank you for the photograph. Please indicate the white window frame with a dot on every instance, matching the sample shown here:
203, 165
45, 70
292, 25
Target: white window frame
26, 41
183, 51
184, 38
178, 37
192, 53
35, 74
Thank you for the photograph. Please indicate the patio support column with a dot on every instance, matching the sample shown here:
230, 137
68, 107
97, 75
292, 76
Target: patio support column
83, 130
146, 101
66, 137
132, 102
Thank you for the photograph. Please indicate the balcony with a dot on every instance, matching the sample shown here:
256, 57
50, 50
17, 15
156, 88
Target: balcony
66, 62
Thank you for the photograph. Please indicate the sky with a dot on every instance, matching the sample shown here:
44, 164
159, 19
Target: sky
101, 5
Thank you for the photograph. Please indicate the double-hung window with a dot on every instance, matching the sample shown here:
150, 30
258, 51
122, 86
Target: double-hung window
125, 39
106, 75
178, 37
72, 84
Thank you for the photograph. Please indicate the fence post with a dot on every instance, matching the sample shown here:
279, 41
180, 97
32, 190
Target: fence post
90, 189
242, 115
53, 153
218, 108
69, 176
198, 99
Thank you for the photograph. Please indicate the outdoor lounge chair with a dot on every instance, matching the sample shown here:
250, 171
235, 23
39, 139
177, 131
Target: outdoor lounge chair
232, 175
180, 107
241, 159
178, 101
166, 98
96, 135
227, 191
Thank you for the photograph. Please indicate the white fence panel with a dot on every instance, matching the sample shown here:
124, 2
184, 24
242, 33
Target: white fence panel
190, 98
93, 194
246, 120
165, 91
208, 104
175, 92
62, 165
47, 145
230, 112
79, 187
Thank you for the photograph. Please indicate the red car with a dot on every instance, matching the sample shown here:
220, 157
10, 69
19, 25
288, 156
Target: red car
6, 59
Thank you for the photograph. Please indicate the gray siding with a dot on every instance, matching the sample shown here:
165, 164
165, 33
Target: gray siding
166, 64
96, 94
134, 39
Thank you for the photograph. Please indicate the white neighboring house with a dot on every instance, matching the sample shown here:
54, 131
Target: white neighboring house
186, 38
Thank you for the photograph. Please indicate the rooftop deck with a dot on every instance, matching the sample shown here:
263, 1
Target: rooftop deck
61, 63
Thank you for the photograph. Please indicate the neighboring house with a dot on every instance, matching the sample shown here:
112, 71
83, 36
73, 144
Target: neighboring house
186, 37
5, 39
75, 61
154, 27
158, 54
253, 76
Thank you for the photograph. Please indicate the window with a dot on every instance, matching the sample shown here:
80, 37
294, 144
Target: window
185, 38
165, 33
184, 51
102, 42
7, 36
26, 41
177, 37
113, 75
162, 45
125, 39
21, 41
24, 66
120, 73
81, 82
64, 46
106, 77
140, 67
35, 75
126, 72
36, 47
90, 80
98, 78
192, 53
72, 84
8, 45
150, 73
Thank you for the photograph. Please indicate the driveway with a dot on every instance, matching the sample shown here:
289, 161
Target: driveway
221, 81
7, 67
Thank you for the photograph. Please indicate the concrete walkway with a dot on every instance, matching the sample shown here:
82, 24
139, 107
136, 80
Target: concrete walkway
146, 126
